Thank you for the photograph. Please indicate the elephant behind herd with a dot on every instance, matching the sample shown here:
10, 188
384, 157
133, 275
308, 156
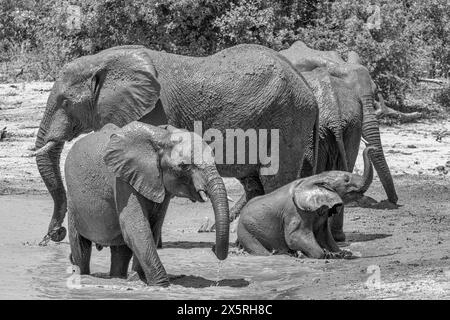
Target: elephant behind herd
321, 105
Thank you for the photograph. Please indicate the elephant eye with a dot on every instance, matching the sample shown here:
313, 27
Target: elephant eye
347, 178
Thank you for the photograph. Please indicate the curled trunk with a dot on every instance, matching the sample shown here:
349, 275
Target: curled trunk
371, 132
215, 188
368, 170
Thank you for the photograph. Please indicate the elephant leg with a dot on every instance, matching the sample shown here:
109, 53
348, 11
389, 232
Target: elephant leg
250, 243
342, 151
156, 214
325, 239
159, 243
337, 224
138, 236
252, 188
300, 237
136, 267
120, 259
80, 248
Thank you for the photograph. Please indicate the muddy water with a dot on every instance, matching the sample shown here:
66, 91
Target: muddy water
30, 271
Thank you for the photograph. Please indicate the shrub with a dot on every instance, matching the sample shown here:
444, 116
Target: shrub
442, 97
412, 39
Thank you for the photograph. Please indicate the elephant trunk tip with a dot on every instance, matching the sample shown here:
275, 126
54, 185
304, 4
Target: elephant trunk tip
368, 169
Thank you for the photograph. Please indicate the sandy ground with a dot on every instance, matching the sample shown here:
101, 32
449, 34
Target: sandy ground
405, 253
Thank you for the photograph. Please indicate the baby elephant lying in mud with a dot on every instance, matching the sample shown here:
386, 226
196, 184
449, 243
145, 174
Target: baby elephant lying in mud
120, 182
295, 217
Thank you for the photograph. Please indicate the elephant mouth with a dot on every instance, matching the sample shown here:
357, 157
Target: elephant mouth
334, 210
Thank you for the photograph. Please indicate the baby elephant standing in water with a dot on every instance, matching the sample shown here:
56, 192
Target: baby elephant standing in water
295, 217
120, 182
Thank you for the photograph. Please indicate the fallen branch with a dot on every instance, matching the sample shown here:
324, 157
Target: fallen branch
381, 110
436, 81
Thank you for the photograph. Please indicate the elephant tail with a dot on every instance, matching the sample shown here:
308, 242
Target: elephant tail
316, 144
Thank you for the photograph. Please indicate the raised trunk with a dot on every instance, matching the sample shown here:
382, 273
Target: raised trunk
48, 165
371, 132
368, 170
215, 188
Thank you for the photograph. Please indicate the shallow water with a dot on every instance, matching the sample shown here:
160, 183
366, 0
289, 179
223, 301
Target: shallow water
28, 271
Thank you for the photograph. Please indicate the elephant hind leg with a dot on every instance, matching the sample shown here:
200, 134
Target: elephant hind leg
249, 243
120, 259
80, 248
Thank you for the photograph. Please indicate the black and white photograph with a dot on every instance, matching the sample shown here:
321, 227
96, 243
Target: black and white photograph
225, 150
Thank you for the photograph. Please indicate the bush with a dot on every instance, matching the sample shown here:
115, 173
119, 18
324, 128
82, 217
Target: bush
443, 97
412, 39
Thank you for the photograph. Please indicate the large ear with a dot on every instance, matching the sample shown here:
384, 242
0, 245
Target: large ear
124, 87
311, 197
132, 154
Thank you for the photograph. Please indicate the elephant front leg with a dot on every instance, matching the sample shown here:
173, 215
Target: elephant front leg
325, 239
138, 236
337, 224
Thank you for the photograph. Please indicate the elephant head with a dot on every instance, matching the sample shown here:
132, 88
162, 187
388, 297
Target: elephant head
116, 86
318, 197
358, 78
156, 161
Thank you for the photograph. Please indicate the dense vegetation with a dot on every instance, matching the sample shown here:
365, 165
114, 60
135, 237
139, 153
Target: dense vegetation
411, 39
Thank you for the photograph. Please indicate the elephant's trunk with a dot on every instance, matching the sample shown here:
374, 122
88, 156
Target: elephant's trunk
47, 159
215, 188
371, 132
368, 170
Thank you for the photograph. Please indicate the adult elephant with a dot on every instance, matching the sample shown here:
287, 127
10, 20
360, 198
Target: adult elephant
341, 118
246, 86
357, 79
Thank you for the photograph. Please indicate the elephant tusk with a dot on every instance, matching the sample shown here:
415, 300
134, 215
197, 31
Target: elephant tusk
230, 199
365, 141
203, 195
49, 145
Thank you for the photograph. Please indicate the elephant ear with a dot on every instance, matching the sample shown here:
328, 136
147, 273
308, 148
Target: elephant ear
311, 197
132, 154
124, 87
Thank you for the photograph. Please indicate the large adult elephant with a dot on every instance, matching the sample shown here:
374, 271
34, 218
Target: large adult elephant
357, 79
246, 86
341, 117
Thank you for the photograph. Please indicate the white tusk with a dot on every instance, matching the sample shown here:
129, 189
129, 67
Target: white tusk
230, 199
203, 195
365, 141
44, 149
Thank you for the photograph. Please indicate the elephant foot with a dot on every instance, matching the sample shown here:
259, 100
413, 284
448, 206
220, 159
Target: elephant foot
342, 254
385, 205
56, 235
338, 235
